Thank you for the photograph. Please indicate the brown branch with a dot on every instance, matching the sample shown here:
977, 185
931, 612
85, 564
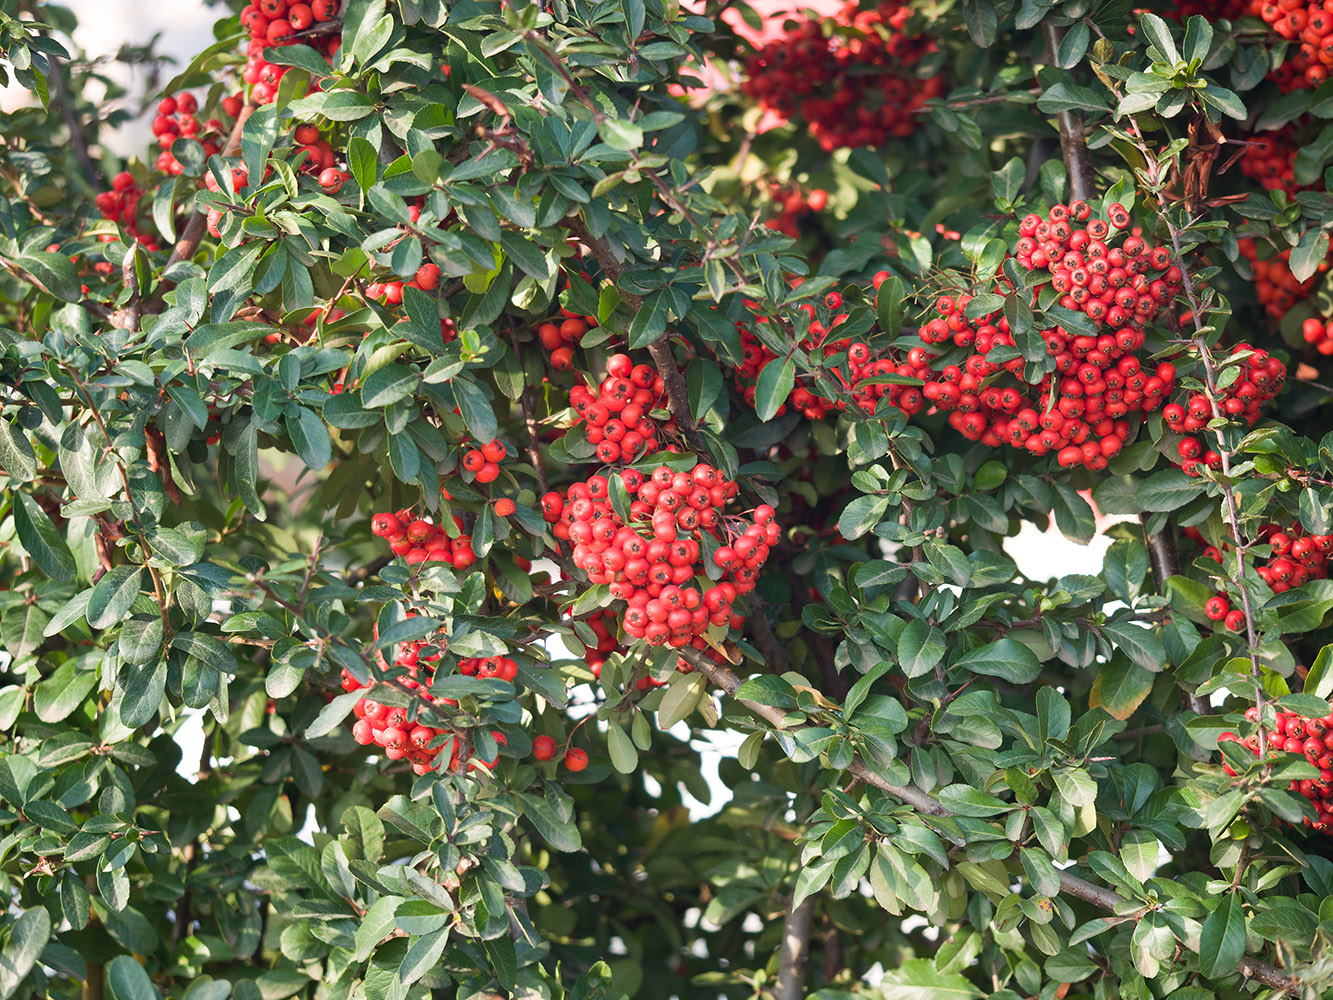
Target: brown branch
794, 951
194, 231
1162, 553
77, 139
922, 802
1073, 141
529, 421
659, 350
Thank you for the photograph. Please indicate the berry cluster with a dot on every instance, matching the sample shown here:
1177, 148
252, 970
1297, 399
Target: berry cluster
1213, 9
544, 748
1296, 559
1275, 285
1109, 283
1308, 23
755, 357
176, 118
616, 415
1078, 412
501, 667
272, 23
561, 338
1270, 159
418, 540
484, 462
1261, 378
651, 558
853, 85
121, 206
320, 159
1318, 333
793, 205
1311, 739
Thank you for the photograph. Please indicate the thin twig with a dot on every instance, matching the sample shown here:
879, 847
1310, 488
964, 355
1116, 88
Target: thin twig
922, 802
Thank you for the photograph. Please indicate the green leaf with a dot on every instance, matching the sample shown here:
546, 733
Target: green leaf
965, 800
112, 596
889, 305
1319, 681
43, 542
1157, 33
650, 321
208, 649
476, 409
141, 692
1308, 254
423, 955
1141, 645
387, 385
560, 832
773, 387
861, 515
1222, 939
54, 272
920, 979
27, 937
680, 699
1167, 490
624, 756
332, 715
1120, 687
126, 979
620, 134
310, 437
1005, 658
920, 647
60, 694
16, 454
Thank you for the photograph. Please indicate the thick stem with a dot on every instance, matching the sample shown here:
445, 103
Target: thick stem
1070, 885
1073, 141
795, 951
1162, 554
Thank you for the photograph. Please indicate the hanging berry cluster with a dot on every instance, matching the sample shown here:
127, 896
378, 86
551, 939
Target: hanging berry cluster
1297, 558
755, 357
853, 86
1261, 378
272, 23
1080, 411
616, 415
418, 540
1270, 159
563, 334
1308, 23
651, 557
1308, 738
121, 206
484, 461
793, 205
398, 733
1274, 284
176, 119
1318, 333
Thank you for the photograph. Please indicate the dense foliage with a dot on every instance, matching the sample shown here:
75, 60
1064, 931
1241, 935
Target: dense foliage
471, 413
